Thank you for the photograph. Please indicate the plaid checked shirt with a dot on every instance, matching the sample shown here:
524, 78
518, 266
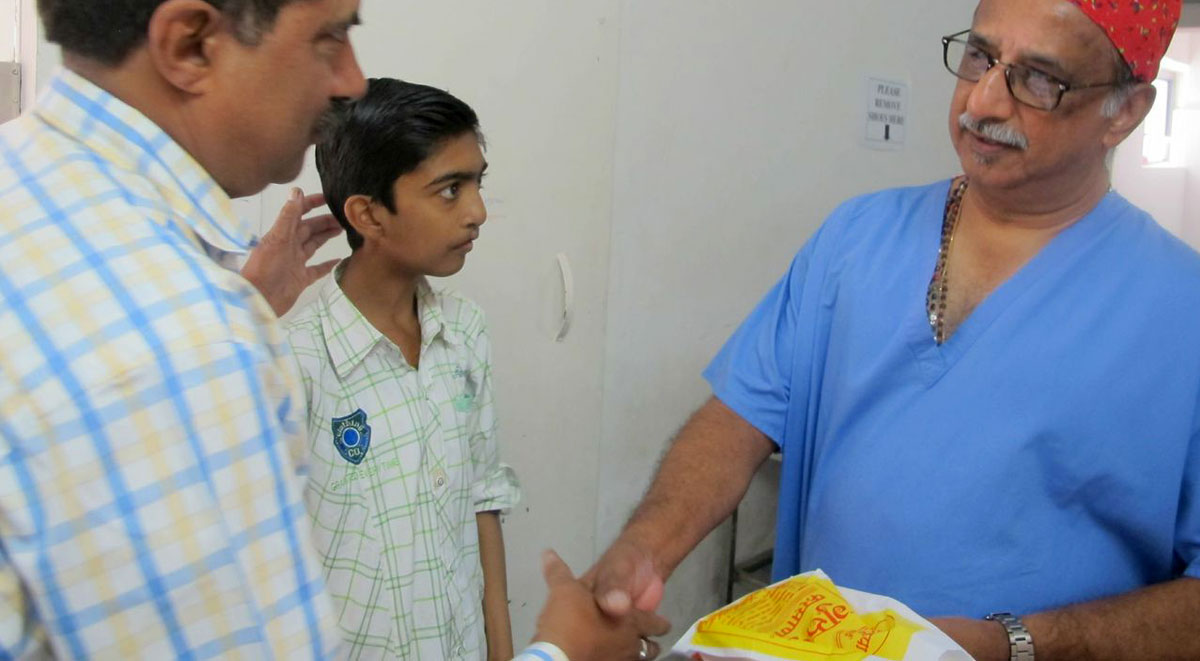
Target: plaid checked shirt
402, 460
150, 435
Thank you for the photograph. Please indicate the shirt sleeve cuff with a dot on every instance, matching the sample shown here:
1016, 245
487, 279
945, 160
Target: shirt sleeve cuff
542, 652
499, 491
745, 411
1193, 570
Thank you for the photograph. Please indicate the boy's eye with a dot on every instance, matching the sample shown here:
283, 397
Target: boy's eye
450, 192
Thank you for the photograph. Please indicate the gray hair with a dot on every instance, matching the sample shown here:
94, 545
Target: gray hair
1124, 84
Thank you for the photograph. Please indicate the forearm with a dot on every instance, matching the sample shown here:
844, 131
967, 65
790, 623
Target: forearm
1158, 622
497, 625
699, 482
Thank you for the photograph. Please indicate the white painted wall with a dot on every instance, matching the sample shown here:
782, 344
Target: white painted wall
1191, 15
1170, 192
38, 57
739, 129
10, 27
1188, 123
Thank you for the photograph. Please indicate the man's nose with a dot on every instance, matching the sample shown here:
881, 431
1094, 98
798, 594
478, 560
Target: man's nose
991, 98
349, 82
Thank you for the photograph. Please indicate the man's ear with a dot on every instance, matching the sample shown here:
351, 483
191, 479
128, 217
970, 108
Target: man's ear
182, 39
363, 215
1131, 114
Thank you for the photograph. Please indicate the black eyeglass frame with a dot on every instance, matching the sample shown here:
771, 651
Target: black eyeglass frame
1063, 87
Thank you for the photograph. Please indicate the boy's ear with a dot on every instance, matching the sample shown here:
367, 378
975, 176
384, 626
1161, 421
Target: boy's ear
360, 212
182, 39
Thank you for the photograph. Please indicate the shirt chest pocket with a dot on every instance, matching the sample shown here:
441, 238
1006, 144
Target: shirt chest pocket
454, 402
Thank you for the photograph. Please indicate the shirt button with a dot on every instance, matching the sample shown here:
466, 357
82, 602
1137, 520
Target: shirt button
439, 478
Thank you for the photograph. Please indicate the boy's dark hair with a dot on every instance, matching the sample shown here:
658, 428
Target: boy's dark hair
108, 30
371, 142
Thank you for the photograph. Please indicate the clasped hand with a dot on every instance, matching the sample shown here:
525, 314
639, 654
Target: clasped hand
574, 622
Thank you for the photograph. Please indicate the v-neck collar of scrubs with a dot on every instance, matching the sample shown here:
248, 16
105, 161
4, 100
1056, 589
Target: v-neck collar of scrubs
936, 360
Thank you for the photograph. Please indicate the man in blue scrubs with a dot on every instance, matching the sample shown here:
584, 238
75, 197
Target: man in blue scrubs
986, 390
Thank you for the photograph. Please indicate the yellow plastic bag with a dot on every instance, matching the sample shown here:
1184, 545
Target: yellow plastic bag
808, 618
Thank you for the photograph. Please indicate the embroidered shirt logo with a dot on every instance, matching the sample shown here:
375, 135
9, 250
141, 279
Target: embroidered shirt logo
352, 436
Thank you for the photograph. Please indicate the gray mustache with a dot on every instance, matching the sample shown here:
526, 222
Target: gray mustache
994, 131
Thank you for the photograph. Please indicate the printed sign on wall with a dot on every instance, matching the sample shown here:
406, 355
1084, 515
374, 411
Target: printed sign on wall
887, 113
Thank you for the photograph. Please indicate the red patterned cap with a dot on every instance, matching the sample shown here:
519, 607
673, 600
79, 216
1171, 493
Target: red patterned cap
1140, 29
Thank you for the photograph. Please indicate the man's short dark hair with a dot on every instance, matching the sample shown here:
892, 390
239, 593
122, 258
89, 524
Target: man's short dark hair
370, 143
107, 31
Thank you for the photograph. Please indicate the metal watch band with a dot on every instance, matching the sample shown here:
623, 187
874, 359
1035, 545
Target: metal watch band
1020, 643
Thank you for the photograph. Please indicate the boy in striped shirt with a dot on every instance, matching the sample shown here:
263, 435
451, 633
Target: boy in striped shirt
406, 484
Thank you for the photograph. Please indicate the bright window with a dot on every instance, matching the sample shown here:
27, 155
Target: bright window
1156, 147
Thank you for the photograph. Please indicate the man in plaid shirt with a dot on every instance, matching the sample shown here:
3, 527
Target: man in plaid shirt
150, 419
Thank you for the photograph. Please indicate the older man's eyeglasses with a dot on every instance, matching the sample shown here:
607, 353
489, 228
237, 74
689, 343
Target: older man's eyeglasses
1027, 85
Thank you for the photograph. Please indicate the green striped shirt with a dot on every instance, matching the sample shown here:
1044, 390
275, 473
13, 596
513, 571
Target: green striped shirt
402, 460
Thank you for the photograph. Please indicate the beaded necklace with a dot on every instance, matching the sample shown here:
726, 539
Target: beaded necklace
935, 297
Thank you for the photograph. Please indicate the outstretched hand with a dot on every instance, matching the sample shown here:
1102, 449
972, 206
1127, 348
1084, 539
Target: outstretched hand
278, 265
572, 620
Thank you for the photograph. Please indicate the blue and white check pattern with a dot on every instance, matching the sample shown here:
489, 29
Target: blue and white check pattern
541, 652
151, 437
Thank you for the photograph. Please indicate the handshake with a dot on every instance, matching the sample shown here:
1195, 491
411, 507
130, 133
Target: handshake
606, 614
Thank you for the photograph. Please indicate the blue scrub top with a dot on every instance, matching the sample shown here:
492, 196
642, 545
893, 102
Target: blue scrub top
1046, 454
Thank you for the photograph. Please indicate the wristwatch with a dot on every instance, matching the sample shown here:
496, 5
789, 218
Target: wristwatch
1020, 643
